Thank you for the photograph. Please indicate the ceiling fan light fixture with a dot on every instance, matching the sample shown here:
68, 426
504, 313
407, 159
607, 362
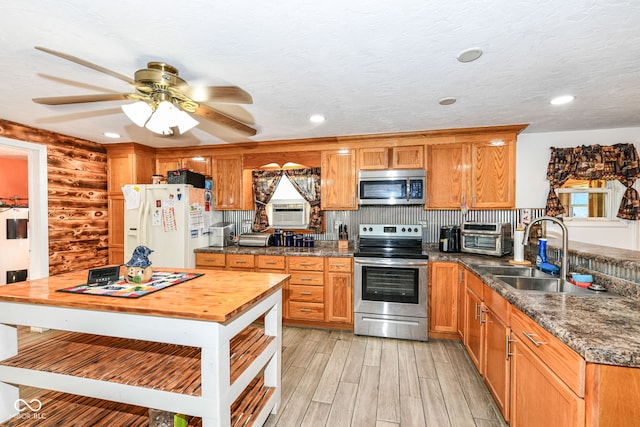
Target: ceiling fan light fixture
163, 119
138, 112
185, 122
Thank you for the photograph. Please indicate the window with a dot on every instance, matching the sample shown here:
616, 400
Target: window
586, 200
287, 208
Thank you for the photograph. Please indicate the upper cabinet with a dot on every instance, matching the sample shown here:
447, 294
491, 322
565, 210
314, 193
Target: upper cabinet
199, 164
227, 182
479, 174
338, 182
409, 157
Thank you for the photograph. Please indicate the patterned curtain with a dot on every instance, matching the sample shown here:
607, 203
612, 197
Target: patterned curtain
592, 162
264, 185
558, 172
307, 182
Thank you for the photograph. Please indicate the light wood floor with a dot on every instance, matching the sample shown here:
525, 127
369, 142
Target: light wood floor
334, 378
338, 379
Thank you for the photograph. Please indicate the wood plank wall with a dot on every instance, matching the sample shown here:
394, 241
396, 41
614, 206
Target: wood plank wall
77, 191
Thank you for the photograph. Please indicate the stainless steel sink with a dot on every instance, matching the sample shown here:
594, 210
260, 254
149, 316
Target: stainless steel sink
550, 284
512, 270
528, 278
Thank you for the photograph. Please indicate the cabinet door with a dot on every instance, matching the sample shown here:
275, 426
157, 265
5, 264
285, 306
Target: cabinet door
446, 175
411, 157
538, 396
473, 335
227, 182
373, 158
338, 298
496, 360
338, 186
493, 174
169, 164
443, 297
462, 286
198, 164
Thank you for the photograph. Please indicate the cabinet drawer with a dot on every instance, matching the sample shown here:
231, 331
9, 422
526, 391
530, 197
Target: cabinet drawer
497, 304
306, 263
564, 362
306, 293
306, 310
210, 260
339, 264
240, 261
273, 262
307, 278
475, 284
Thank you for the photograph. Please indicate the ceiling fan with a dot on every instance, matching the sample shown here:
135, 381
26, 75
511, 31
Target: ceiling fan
164, 101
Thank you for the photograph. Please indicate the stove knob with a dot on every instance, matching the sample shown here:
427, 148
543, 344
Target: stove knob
370, 228
404, 229
364, 229
415, 230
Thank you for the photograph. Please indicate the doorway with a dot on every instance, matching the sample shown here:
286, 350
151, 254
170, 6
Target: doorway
36, 155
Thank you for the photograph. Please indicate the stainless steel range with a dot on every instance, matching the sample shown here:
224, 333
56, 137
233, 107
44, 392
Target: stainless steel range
390, 293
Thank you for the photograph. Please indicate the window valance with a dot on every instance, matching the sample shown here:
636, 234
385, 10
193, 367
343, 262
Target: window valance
593, 162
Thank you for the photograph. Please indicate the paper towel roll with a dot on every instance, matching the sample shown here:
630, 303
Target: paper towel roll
518, 246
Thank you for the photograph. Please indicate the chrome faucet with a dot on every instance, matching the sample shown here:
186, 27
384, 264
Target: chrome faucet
565, 241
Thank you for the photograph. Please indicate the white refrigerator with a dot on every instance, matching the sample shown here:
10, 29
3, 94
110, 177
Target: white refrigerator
170, 219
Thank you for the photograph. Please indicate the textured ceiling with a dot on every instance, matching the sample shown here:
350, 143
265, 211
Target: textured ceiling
369, 66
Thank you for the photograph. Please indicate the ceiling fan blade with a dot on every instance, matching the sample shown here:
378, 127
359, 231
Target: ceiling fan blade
231, 94
78, 99
216, 116
234, 111
88, 64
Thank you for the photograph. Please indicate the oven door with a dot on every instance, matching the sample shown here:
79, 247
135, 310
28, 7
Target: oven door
391, 286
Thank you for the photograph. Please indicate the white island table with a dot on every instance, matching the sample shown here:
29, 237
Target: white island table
193, 348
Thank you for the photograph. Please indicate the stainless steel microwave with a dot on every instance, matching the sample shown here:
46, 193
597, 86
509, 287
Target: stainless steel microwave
392, 187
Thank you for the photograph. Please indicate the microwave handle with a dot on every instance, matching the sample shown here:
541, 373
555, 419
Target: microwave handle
408, 189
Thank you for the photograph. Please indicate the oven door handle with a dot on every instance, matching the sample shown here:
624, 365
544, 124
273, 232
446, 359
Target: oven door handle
390, 262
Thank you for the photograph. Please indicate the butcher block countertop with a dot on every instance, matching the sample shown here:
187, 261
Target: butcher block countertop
215, 296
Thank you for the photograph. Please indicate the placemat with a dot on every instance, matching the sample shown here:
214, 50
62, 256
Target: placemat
123, 289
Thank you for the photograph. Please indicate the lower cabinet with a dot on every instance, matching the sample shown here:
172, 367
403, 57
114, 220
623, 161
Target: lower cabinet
473, 330
496, 363
444, 280
547, 377
339, 290
319, 292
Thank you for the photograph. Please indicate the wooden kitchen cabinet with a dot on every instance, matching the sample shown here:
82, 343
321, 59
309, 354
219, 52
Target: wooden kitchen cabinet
243, 262
478, 174
199, 164
128, 163
227, 182
407, 157
338, 186
496, 359
373, 158
305, 294
443, 299
462, 286
339, 290
211, 261
474, 331
547, 377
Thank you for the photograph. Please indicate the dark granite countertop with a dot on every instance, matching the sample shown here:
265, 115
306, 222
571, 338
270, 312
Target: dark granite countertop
321, 248
602, 329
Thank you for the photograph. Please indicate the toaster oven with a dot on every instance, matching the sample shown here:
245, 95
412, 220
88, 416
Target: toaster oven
486, 238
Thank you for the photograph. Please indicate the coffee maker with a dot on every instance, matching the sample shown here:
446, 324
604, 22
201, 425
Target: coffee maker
449, 238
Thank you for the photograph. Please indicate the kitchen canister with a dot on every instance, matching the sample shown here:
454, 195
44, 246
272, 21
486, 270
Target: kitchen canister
297, 240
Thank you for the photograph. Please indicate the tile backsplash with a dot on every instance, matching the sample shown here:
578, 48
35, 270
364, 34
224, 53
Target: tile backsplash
432, 220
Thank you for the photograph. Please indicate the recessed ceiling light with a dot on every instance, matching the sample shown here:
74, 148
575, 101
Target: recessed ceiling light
564, 99
470, 55
111, 135
317, 118
447, 101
